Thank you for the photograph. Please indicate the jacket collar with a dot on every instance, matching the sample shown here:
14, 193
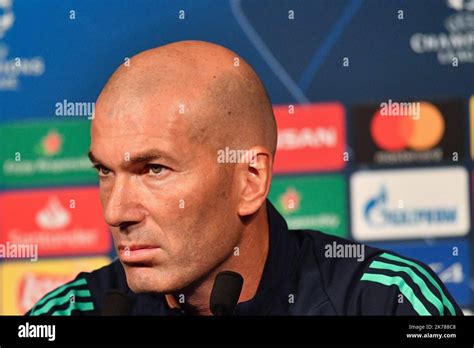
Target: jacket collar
273, 290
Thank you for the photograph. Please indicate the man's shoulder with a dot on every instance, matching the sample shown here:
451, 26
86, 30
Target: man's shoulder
359, 279
336, 263
331, 252
84, 294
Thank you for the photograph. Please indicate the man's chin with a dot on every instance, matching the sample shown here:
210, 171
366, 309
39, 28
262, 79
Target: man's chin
148, 279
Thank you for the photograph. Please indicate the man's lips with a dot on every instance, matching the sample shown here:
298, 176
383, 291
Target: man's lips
137, 253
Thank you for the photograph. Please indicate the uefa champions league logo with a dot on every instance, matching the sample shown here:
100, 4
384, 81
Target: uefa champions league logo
462, 21
455, 44
13, 68
6, 17
460, 5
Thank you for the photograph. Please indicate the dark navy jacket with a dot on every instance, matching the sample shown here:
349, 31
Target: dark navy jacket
306, 273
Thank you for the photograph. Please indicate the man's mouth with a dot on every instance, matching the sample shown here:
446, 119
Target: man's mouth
137, 254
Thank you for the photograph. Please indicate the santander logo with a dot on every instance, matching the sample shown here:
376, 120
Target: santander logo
53, 215
66, 221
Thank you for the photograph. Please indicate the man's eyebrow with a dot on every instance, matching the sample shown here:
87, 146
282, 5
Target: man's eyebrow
92, 157
145, 156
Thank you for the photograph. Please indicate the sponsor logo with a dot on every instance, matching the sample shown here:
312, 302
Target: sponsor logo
310, 137
50, 144
25, 283
11, 68
413, 133
31, 284
45, 153
7, 17
449, 274
389, 135
290, 201
450, 260
412, 203
405, 109
60, 222
377, 213
53, 215
471, 108
456, 44
316, 202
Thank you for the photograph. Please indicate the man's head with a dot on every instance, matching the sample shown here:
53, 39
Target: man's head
165, 128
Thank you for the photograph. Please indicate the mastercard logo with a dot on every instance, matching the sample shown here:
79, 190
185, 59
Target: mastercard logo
405, 132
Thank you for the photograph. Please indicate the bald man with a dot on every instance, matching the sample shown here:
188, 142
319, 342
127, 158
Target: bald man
180, 212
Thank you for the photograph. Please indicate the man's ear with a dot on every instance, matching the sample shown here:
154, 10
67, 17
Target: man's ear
255, 176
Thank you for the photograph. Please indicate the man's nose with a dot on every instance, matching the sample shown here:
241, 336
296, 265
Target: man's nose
123, 207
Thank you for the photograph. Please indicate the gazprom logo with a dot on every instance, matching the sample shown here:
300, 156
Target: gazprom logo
410, 203
377, 213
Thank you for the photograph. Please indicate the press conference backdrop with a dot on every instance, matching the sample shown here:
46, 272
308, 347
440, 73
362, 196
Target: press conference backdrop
373, 101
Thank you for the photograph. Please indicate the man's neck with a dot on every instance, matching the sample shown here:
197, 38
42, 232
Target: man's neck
248, 260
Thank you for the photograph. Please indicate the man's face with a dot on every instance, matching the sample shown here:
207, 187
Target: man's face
169, 203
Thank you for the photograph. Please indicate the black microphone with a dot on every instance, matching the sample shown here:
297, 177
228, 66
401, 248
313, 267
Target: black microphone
225, 293
115, 303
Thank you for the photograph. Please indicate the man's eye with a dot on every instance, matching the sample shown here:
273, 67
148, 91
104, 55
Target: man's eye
155, 169
103, 171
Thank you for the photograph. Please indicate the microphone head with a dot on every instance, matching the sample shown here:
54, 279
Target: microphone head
115, 303
225, 293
